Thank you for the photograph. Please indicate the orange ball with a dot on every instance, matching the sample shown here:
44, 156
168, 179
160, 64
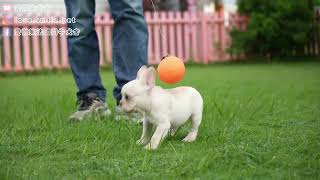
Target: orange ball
171, 70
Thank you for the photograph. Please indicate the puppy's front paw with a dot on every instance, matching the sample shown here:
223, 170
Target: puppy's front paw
142, 141
149, 147
190, 137
172, 132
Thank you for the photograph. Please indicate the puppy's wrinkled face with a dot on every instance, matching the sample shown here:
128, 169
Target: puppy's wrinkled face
134, 92
130, 94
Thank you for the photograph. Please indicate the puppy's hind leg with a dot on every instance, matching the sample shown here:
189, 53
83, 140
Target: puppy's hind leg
195, 120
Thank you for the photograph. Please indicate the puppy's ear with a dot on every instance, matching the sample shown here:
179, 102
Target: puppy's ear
141, 72
151, 77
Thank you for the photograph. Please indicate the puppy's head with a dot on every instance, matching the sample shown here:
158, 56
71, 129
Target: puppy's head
135, 93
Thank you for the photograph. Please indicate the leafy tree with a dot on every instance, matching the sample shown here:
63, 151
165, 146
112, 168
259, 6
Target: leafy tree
275, 27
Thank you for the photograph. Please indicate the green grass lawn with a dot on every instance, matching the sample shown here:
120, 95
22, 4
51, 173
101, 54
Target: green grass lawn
260, 121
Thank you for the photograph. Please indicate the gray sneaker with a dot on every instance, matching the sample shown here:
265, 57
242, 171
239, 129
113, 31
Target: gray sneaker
88, 105
136, 117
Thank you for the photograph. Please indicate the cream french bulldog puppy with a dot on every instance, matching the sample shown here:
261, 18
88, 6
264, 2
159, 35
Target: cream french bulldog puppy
166, 109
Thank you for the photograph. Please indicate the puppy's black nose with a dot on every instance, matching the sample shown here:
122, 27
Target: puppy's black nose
120, 103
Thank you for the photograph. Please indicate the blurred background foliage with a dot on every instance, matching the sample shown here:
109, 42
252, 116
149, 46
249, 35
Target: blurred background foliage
276, 27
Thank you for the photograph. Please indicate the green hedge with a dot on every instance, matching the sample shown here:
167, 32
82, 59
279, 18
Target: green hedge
275, 27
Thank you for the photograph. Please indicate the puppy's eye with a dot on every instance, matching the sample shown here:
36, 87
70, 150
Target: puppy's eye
126, 97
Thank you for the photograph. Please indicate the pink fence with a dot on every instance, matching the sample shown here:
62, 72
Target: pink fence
200, 37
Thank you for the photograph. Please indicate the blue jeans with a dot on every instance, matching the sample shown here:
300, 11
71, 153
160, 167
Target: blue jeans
129, 39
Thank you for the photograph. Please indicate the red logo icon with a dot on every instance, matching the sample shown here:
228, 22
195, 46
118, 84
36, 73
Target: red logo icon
6, 7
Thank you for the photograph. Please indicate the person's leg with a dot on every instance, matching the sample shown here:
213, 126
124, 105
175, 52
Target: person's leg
83, 50
130, 41
84, 58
